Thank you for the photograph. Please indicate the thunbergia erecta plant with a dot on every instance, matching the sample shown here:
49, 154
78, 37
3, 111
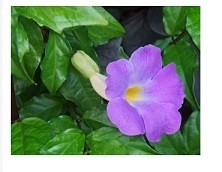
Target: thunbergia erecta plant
144, 97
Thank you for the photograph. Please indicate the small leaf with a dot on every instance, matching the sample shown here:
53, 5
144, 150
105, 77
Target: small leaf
163, 43
62, 123
59, 18
101, 34
44, 106
186, 62
193, 24
56, 62
122, 54
36, 45
29, 136
68, 142
191, 133
174, 19
108, 140
170, 144
97, 118
78, 89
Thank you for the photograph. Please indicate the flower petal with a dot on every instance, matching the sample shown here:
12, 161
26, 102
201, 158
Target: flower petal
125, 117
147, 61
118, 78
159, 119
166, 87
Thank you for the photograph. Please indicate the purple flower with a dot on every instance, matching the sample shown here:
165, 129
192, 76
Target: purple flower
144, 98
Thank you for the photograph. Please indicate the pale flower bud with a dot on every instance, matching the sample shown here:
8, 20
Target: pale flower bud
99, 84
84, 64
88, 68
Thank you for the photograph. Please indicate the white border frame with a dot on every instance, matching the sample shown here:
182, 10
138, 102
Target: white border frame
210, 102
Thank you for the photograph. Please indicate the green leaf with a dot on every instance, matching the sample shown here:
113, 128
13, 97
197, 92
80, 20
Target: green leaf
101, 34
19, 47
56, 62
59, 18
78, 89
193, 24
18, 70
19, 85
191, 133
186, 62
163, 43
44, 106
36, 45
29, 136
170, 144
108, 140
111, 147
68, 142
79, 40
174, 19
62, 123
22, 42
97, 118
122, 54
24, 91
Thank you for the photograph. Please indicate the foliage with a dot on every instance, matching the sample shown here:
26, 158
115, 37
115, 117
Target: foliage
59, 111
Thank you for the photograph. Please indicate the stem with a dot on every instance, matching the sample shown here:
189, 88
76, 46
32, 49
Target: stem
78, 120
86, 150
179, 37
73, 114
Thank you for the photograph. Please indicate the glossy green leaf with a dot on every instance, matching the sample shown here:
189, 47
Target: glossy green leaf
78, 89
174, 19
111, 147
68, 142
108, 140
62, 123
193, 24
56, 62
186, 62
171, 144
44, 106
191, 133
97, 118
19, 47
101, 34
18, 70
58, 18
36, 45
29, 136
79, 40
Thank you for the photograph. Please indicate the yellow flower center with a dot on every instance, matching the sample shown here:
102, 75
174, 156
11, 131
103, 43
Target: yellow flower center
133, 93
